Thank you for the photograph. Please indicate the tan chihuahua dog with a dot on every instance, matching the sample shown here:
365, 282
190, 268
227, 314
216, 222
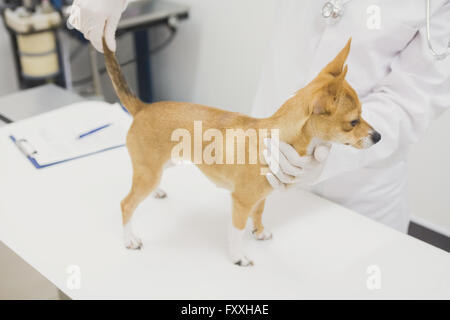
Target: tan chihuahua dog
327, 109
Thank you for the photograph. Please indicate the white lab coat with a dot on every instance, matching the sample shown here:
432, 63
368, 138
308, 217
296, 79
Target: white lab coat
402, 88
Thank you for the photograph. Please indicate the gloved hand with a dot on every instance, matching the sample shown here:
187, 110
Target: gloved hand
287, 167
98, 18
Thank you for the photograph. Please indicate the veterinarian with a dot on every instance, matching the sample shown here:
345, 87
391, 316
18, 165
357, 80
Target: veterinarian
401, 84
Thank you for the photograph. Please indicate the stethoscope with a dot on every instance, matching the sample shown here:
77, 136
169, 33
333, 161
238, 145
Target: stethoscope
333, 10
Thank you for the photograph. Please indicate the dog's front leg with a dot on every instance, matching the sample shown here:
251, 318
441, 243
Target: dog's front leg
241, 212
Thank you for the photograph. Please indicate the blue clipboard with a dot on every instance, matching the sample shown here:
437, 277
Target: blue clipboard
37, 165
31, 155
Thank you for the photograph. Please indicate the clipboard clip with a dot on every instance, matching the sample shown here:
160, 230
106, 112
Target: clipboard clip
25, 147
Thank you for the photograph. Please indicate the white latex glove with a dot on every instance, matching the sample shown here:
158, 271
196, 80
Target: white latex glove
287, 167
97, 18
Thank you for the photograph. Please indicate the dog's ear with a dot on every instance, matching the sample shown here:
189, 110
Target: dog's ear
322, 104
336, 67
319, 107
334, 86
325, 103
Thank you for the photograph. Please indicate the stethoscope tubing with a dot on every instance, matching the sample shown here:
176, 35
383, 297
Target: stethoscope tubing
438, 56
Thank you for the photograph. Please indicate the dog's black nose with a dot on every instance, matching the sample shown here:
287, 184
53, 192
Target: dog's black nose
376, 137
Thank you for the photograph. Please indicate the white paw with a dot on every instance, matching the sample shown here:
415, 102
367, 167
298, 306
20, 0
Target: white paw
236, 248
265, 235
159, 194
130, 240
241, 260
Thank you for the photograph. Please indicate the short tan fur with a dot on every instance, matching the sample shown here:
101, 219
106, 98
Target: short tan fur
328, 109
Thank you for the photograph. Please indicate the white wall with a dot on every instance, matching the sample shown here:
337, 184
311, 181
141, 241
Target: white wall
217, 55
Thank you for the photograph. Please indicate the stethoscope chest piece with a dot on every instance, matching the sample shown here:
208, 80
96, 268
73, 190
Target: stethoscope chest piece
332, 11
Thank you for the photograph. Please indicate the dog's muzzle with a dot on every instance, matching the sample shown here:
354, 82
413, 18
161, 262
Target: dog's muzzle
375, 137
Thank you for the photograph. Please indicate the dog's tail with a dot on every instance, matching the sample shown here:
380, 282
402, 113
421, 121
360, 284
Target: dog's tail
123, 91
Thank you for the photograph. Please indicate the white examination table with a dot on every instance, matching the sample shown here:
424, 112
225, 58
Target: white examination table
69, 215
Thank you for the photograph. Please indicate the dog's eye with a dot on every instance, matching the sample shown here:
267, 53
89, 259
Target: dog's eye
354, 123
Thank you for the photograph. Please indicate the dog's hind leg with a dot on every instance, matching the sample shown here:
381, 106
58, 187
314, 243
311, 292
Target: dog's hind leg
145, 180
259, 232
159, 193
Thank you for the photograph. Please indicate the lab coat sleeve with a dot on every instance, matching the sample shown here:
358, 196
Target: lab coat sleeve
403, 104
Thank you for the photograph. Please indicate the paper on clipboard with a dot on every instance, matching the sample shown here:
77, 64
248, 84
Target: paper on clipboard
54, 137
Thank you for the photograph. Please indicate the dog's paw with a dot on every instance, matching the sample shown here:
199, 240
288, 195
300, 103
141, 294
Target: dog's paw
262, 236
159, 194
132, 242
241, 261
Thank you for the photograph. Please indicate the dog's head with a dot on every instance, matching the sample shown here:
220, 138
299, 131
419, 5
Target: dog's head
335, 109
